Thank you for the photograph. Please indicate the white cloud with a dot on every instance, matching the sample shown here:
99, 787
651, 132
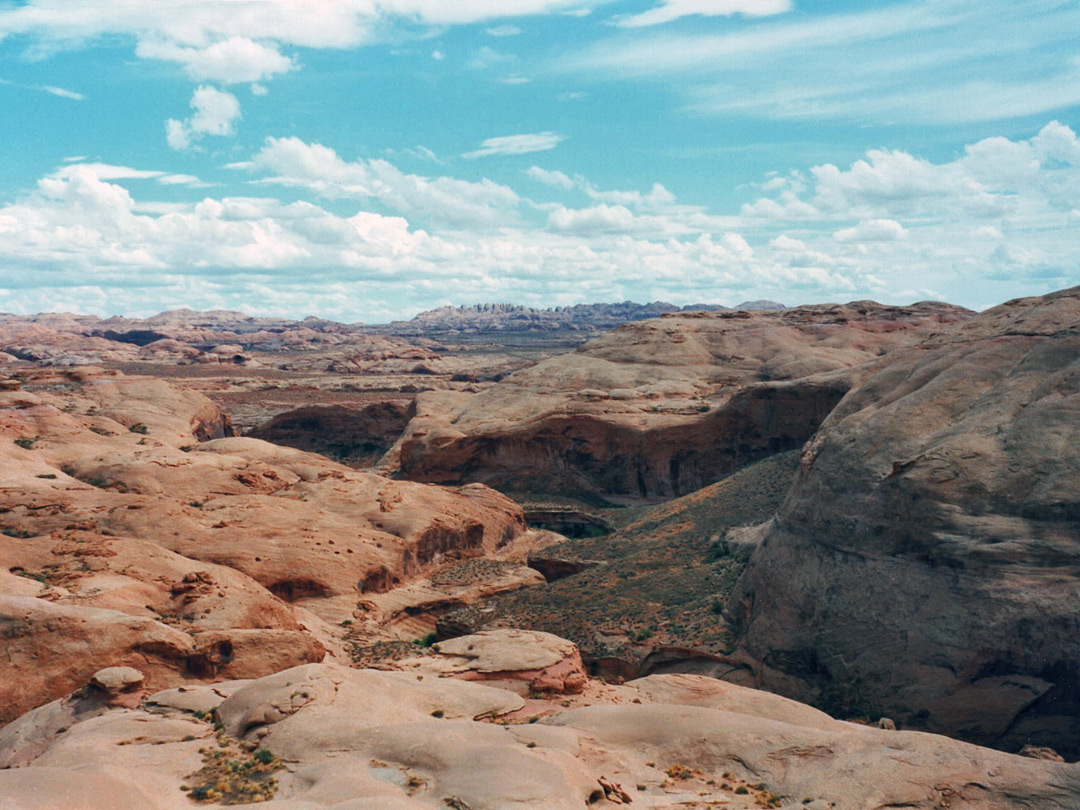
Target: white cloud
179, 180
515, 79
62, 93
230, 61
598, 219
556, 178
108, 171
504, 31
995, 177
656, 198
438, 56
878, 65
216, 111
485, 57
291, 161
787, 243
84, 238
516, 144
786, 206
872, 230
93, 236
176, 134
674, 9
52, 90
309, 24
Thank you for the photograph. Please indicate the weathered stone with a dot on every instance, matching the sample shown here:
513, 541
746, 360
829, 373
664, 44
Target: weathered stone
924, 563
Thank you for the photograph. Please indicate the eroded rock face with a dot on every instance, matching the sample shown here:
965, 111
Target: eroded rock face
662, 407
344, 434
924, 565
136, 534
380, 740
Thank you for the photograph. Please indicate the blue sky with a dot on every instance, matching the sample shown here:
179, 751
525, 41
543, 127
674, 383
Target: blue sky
367, 159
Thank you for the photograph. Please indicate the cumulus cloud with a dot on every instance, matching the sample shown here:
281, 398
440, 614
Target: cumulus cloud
656, 198
230, 61
85, 232
216, 111
550, 178
291, 161
995, 177
392, 241
516, 144
670, 10
872, 230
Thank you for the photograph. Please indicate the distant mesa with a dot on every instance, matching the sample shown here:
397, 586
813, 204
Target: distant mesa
514, 318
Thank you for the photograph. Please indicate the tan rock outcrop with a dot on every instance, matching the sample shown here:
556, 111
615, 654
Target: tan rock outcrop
525, 661
375, 740
924, 565
661, 407
137, 532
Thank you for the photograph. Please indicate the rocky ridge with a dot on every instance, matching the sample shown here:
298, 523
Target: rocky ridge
662, 407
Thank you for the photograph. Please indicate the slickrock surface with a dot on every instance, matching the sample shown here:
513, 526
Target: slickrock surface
661, 407
137, 532
924, 565
324, 736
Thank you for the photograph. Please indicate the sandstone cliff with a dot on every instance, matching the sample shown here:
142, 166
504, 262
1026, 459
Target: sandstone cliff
925, 562
662, 407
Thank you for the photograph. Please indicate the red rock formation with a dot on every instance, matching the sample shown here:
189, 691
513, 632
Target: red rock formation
130, 532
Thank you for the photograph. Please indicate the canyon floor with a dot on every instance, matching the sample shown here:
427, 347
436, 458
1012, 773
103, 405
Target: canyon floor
456, 563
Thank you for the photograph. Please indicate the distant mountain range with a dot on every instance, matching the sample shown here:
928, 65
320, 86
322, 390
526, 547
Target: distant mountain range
514, 318
226, 326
